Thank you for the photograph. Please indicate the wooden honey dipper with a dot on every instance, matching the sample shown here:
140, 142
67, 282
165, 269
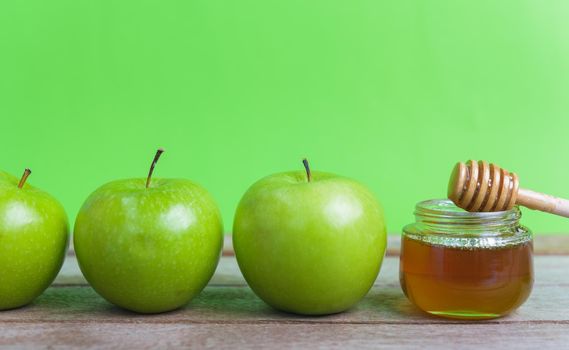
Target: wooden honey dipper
479, 186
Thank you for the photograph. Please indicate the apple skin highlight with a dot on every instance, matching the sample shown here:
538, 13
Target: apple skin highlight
309, 247
149, 250
34, 237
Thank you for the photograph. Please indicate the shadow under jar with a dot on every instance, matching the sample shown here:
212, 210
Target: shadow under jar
465, 265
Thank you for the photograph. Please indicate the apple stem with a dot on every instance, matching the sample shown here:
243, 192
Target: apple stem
156, 157
307, 168
27, 173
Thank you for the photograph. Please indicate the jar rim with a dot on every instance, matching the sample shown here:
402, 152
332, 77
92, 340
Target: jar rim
441, 222
444, 209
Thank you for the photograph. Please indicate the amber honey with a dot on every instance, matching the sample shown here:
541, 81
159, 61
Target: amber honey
466, 265
466, 283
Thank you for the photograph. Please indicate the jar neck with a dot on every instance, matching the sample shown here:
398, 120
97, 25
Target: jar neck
442, 216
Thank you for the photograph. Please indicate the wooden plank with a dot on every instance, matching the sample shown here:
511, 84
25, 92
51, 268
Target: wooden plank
228, 270
228, 314
284, 336
550, 270
383, 305
551, 244
228, 299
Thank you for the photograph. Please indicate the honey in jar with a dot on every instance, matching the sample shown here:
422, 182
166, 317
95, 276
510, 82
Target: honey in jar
466, 265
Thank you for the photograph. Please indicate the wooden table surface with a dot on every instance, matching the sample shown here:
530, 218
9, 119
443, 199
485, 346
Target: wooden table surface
228, 315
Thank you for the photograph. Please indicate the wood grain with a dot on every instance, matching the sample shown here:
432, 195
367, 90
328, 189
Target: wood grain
228, 299
285, 336
227, 314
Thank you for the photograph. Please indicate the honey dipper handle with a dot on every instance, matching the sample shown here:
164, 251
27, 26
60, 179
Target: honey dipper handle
543, 202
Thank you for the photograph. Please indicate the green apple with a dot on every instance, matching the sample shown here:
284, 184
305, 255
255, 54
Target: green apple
34, 237
149, 246
309, 243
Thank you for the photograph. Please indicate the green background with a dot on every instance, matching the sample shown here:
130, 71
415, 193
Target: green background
392, 93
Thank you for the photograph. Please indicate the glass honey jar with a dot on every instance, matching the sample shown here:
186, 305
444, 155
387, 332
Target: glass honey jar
464, 265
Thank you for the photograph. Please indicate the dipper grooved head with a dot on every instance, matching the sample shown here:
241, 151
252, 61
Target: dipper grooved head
479, 186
